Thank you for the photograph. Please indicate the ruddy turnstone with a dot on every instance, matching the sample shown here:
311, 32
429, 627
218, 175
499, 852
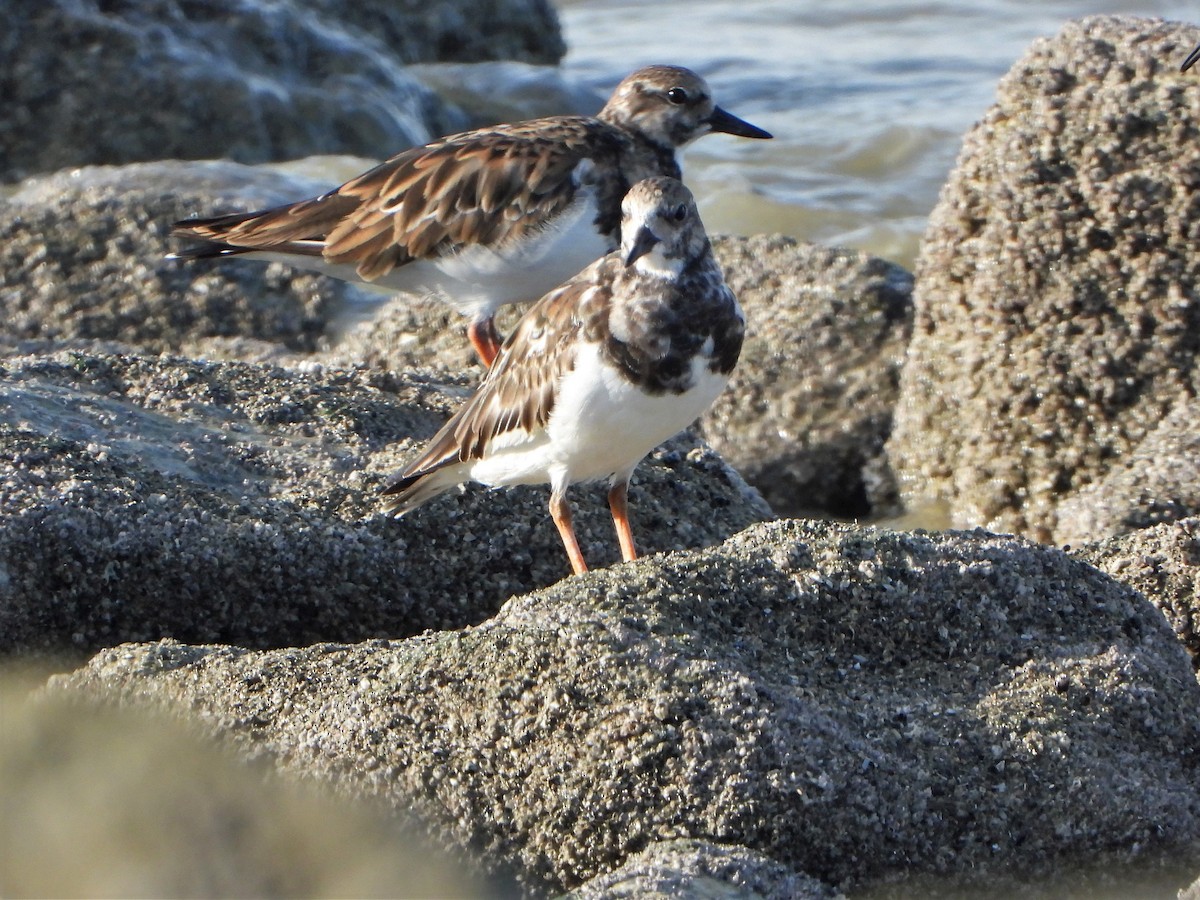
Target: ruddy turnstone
598, 372
1191, 60
489, 217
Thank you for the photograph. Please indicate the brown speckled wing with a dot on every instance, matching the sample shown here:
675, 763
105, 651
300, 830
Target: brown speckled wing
481, 187
487, 187
518, 391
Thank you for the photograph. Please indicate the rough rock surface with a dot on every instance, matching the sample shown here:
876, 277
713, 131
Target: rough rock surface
1057, 316
855, 705
810, 404
702, 870
1163, 563
809, 407
1156, 481
148, 497
240, 79
82, 256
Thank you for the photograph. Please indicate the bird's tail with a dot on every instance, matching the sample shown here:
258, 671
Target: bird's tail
296, 228
406, 492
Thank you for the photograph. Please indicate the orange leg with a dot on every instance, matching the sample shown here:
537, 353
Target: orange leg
485, 339
560, 512
617, 502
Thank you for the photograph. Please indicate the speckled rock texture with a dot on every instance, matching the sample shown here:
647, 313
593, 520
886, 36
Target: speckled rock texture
1057, 318
240, 79
702, 870
810, 404
1163, 562
82, 257
809, 407
856, 705
1158, 480
145, 497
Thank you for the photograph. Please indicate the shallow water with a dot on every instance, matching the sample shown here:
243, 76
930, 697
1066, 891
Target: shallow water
868, 101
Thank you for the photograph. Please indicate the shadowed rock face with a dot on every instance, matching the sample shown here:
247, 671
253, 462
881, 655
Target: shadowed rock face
851, 704
1057, 321
239, 79
810, 404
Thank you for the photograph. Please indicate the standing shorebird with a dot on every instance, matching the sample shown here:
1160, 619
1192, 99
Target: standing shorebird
598, 372
488, 217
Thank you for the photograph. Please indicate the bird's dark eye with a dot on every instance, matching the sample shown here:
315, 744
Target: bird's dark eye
677, 95
679, 213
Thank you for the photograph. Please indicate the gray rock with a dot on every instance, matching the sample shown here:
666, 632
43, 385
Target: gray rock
505, 91
1056, 315
412, 332
107, 802
145, 497
239, 79
463, 31
809, 407
810, 404
1156, 481
82, 257
860, 706
1163, 563
702, 870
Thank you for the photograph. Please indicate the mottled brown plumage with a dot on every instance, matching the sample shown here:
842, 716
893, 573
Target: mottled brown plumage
598, 371
500, 214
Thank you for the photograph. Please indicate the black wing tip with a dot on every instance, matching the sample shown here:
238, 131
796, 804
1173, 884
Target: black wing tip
205, 249
397, 484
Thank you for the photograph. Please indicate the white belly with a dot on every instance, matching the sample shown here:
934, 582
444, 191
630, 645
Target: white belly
476, 280
601, 426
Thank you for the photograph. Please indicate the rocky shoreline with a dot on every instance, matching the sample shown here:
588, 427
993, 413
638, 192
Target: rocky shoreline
765, 705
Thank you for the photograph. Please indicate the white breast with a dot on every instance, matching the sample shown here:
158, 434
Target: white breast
478, 280
602, 425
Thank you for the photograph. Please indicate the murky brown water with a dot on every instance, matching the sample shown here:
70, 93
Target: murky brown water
868, 100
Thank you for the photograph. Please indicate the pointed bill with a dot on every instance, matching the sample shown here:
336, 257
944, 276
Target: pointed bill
728, 123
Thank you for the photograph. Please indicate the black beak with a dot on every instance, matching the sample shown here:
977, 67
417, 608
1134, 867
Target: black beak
727, 123
1191, 60
643, 243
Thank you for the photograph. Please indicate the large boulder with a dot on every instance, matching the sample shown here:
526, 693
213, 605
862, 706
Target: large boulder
701, 870
147, 497
859, 706
1057, 317
89, 83
1157, 480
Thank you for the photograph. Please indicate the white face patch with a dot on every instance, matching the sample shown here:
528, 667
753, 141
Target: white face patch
656, 265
